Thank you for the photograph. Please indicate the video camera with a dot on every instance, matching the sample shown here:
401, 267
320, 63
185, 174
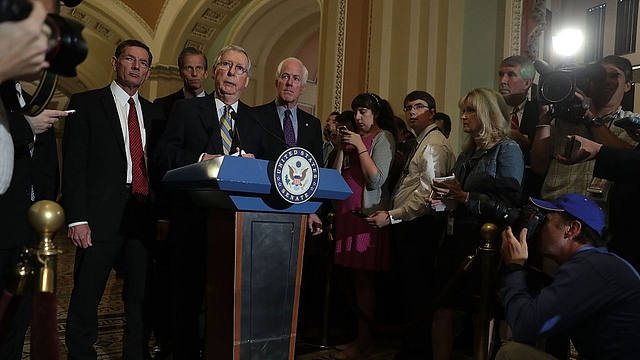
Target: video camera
529, 216
66, 50
558, 86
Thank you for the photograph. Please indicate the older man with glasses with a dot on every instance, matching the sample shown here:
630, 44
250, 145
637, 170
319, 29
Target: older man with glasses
200, 129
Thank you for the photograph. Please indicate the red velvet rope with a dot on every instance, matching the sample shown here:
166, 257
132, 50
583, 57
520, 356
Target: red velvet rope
44, 331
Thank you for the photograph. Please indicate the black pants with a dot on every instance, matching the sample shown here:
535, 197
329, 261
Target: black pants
91, 272
415, 246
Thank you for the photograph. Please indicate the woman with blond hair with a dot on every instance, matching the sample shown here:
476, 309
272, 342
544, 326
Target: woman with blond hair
489, 168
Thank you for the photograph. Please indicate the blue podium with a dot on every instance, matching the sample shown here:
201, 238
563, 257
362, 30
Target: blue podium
255, 243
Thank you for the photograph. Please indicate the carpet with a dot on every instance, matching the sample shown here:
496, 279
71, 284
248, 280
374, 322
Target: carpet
110, 312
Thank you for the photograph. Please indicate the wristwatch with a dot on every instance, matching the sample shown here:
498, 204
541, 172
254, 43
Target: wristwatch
596, 122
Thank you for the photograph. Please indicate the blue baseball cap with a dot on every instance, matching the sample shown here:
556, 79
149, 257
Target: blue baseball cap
580, 206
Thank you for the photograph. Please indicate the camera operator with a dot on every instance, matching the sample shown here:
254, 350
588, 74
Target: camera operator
34, 174
596, 124
594, 297
23, 46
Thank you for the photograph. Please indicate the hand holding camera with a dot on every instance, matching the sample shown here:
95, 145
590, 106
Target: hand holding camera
566, 88
32, 41
23, 45
514, 251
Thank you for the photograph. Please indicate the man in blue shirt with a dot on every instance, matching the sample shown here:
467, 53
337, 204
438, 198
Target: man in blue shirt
594, 297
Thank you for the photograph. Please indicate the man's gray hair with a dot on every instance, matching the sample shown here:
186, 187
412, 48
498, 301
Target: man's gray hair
233, 48
305, 72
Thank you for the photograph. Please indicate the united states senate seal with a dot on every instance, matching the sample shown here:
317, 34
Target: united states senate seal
296, 175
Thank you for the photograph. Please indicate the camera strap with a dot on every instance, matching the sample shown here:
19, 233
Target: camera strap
44, 92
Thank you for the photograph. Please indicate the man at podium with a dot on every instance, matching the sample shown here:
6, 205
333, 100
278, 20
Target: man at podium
200, 129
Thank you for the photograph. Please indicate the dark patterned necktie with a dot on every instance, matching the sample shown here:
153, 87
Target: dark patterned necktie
514, 119
139, 185
225, 130
287, 127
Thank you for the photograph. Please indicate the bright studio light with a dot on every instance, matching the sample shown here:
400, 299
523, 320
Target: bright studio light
567, 42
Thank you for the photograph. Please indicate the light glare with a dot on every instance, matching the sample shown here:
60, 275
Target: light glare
567, 42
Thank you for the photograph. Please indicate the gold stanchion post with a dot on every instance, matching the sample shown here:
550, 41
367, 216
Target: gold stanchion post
46, 217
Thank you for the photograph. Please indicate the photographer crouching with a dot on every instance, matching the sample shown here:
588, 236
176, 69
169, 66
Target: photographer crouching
595, 295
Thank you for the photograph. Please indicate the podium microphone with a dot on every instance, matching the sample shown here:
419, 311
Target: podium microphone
236, 132
257, 121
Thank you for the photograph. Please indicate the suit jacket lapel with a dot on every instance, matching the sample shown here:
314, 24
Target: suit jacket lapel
303, 128
208, 116
112, 117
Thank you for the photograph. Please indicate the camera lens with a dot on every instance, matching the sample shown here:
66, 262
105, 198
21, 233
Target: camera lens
67, 47
557, 87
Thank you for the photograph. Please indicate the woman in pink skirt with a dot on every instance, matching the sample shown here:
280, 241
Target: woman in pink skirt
364, 159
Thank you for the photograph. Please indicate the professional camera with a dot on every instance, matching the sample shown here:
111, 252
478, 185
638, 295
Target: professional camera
528, 217
67, 48
558, 86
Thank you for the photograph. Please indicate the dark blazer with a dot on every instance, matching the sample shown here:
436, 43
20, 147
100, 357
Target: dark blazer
309, 132
618, 164
94, 161
528, 125
167, 102
41, 171
531, 182
162, 204
193, 128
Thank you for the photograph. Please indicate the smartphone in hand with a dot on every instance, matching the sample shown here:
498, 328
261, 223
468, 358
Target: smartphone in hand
446, 179
360, 214
568, 147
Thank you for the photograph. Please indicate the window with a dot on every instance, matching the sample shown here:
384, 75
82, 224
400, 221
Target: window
594, 37
626, 25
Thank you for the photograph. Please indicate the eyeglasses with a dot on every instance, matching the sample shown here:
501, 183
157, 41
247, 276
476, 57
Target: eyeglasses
130, 60
227, 65
416, 107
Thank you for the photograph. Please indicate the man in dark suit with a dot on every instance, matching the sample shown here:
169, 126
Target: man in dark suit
106, 198
200, 129
288, 122
35, 177
291, 79
192, 66
515, 79
293, 126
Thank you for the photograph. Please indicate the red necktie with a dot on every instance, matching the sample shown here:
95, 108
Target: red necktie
514, 119
139, 185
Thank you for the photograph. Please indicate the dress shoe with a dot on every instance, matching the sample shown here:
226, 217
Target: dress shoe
348, 355
343, 347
